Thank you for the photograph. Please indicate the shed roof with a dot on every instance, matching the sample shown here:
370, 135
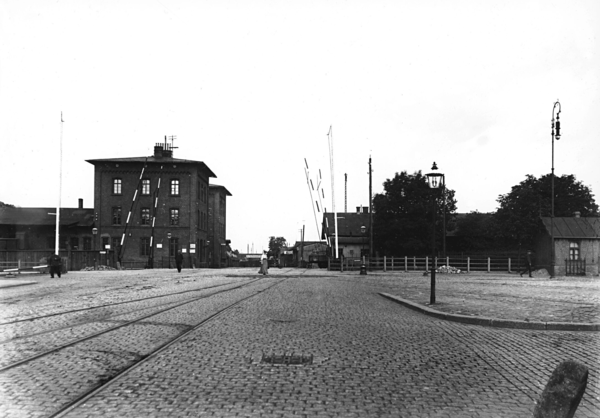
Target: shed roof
573, 227
46, 216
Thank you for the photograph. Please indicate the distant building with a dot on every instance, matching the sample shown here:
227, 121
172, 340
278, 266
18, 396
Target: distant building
308, 252
576, 245
35, 228
352, 242
146, 209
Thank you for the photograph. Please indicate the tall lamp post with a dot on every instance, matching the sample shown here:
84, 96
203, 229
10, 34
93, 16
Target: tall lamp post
555, 125
363, 265
436, 181
169, 238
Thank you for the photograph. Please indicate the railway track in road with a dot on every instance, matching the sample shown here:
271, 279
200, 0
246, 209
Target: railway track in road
105, 306
72, 333
59, 378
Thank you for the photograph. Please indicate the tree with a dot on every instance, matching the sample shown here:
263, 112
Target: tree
402, 217
475, 231
6, 205
276, 245
518, 217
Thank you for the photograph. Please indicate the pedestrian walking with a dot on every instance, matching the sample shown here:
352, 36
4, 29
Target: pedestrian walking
529, 265
55, 265
179, 261
264, 264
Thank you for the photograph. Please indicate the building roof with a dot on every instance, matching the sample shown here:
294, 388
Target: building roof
216, 186
45, 216
299, 244
573, 227
153, 160
348, 224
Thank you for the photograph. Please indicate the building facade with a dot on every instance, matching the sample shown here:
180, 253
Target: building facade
146, 209
219, 252
576, 245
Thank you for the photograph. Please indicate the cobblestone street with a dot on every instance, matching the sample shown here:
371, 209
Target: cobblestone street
371, 356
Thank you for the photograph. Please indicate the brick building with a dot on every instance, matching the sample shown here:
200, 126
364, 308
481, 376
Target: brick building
219, 251
148, 208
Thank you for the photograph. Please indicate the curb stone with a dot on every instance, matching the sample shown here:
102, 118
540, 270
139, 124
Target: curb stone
494, 322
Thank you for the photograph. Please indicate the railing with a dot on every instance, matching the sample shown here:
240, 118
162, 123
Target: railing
575, 267
467, 264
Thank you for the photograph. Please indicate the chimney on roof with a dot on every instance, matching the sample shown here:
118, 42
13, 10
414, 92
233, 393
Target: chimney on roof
158, 151
80, 203
577, 214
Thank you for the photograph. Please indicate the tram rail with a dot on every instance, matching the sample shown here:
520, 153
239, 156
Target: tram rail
172, 324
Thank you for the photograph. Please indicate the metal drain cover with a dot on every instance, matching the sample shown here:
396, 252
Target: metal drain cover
286, 358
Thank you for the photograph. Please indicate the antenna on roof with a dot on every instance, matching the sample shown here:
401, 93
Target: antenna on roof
173, 138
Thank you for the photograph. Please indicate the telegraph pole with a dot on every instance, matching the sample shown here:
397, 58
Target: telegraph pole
370, 209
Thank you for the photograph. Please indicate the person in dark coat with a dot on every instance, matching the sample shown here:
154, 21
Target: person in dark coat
179, 260
529, 265
55, 265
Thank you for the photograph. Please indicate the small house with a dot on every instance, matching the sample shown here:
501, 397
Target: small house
576, 245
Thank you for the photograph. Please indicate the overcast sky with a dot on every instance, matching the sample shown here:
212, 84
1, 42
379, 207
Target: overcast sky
252, 88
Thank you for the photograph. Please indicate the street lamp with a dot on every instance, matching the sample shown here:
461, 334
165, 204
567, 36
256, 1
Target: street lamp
363, 265
436, 181
555, 124
169, 238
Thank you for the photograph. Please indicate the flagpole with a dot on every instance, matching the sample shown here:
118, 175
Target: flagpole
57, 235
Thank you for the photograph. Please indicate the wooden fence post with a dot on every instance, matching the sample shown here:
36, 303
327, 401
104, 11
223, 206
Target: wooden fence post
489, 264
509, 267
384, 263
427, 263
468, 264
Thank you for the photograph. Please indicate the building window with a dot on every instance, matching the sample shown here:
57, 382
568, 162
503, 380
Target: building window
174, 216
117, 186
145, 187
174, 187
74, 243
87, 244
573, 250
145, 246
104, 242
145, 216
116, 215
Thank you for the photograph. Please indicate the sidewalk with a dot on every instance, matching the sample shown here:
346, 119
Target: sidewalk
501, 300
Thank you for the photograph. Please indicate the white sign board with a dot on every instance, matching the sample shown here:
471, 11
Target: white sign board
158, 245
